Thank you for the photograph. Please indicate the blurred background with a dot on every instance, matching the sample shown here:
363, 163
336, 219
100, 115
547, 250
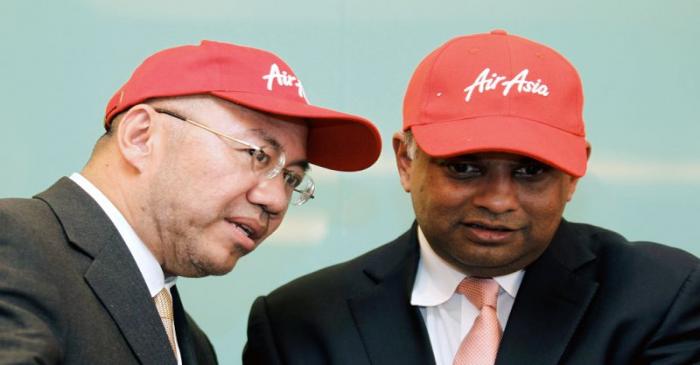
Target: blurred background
61, 61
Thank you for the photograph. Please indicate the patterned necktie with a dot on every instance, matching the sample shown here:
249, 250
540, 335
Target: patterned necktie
164, 304
480, 345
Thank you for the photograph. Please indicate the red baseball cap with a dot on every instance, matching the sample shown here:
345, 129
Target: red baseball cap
498, 92
258, 80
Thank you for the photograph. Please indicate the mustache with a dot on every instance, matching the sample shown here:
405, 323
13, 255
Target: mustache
496, 221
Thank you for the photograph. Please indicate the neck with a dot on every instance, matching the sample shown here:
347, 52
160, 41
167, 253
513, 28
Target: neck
121, 186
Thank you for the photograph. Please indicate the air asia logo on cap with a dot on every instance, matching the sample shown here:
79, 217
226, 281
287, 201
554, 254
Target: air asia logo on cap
484, 83
283, 79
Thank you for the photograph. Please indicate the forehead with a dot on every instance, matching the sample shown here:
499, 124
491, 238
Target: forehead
283, 131
216, 107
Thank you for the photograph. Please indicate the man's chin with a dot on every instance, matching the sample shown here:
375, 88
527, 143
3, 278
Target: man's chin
222, 268
199, 268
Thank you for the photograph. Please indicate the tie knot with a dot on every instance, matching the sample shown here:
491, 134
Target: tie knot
479, 291
164, 304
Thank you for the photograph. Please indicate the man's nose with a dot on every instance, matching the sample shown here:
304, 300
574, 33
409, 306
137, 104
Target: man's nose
497, 193
272, 194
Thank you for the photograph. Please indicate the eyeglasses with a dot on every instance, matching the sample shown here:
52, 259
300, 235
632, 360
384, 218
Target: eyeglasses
266, 163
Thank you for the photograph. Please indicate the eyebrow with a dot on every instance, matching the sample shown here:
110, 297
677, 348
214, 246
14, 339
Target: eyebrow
262, 134
304, 164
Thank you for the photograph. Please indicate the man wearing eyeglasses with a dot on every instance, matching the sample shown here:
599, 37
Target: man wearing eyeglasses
491, 150
205, 148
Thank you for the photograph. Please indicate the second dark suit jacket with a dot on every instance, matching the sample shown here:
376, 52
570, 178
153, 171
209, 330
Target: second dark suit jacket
592, 298
71, 293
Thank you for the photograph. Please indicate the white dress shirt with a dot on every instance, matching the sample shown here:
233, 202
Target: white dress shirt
448, 315
149, 267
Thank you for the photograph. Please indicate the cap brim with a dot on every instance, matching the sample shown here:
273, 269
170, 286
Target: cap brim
552, 146
336, 140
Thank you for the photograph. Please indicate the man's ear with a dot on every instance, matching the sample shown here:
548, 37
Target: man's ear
574, 180
588, 150
403, 160
571, 188
135, 136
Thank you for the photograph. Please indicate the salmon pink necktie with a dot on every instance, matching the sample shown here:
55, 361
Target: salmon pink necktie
480, 345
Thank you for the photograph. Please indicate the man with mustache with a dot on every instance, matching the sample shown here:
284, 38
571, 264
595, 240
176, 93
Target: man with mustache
205, 148
491, 150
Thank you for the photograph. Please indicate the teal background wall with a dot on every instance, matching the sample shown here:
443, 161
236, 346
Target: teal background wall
60, 61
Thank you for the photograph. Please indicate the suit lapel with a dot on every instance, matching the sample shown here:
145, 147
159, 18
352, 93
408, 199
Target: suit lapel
550, 303
191, 350
116, 280
398, 336
113, 275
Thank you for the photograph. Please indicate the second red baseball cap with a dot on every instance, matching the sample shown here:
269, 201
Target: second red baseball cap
258, 80
498, 92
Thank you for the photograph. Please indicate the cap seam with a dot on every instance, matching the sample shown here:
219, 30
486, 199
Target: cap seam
580, 97
510, 70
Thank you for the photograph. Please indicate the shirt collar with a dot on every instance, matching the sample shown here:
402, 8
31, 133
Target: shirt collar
149, 267
436, 280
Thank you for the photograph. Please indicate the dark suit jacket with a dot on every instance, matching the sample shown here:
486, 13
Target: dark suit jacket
71, 293
591, 298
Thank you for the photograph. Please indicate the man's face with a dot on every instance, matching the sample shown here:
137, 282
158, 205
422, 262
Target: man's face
487, 214
207, 206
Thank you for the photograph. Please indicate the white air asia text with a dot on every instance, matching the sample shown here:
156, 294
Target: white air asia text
485, 83
283, 78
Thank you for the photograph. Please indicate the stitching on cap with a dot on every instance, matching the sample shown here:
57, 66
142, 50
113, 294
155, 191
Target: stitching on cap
505, 116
